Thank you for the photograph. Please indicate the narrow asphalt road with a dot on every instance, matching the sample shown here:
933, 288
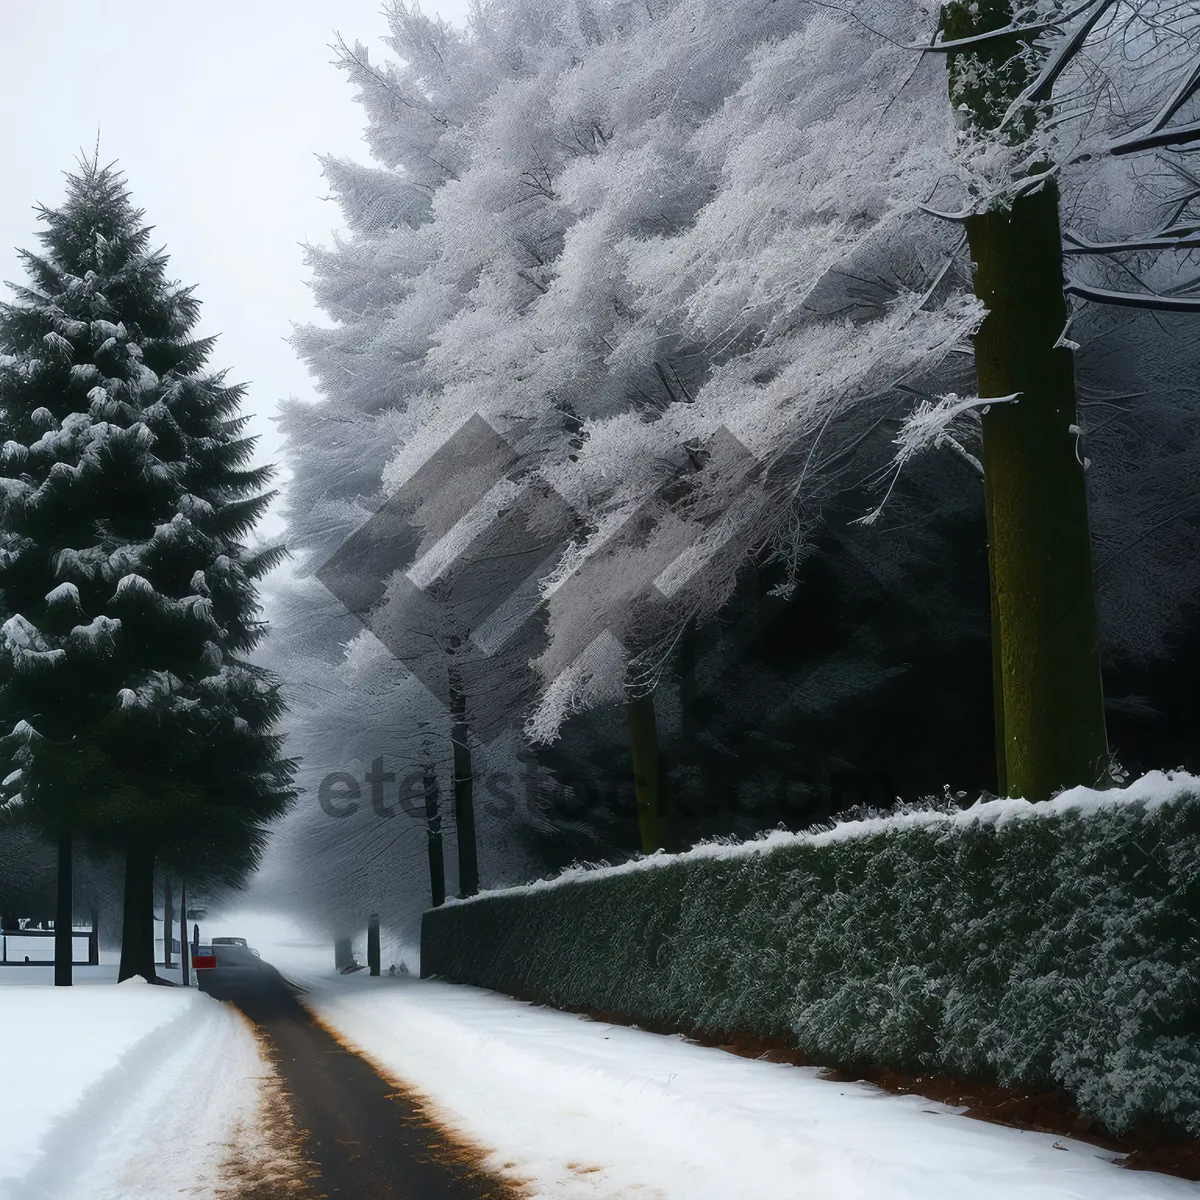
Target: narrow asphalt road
364, 1138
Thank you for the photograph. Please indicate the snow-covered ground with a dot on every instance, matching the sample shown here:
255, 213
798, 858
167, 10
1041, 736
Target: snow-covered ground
140, 1093
576, 1108
120, 1092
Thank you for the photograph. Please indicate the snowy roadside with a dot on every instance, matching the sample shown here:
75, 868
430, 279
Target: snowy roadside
126, 1092
575, 1108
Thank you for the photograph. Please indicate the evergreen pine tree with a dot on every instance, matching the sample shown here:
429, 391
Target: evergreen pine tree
131, 713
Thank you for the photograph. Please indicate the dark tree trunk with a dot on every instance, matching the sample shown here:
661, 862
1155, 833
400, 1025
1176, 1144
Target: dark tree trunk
997, 661
647, 778
64, 914
464, 795
373, 944
433, 826
185, 957
94, 936
168, 919
137, 920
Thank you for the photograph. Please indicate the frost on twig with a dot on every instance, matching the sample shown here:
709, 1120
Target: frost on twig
944, 421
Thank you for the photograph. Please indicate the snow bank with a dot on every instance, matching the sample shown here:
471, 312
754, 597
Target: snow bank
130, 1092
579, 1109
1151, 791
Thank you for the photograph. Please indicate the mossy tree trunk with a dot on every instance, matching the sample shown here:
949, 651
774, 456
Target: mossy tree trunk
647, 776
1051, 716
1049, 699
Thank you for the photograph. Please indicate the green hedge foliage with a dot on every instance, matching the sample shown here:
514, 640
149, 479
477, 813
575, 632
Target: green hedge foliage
1055, 945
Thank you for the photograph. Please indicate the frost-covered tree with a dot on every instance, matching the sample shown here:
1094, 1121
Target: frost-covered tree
130, 711
606, 270
677, 257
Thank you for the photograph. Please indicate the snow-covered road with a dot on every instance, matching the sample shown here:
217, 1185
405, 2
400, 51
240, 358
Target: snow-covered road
578, 1109
126, 1092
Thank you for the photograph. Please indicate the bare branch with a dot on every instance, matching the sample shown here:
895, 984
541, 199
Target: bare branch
957, 217
1182, 94
1008, 33
996, 35
1178, 136
1145, 300
1058, 62
1078, 245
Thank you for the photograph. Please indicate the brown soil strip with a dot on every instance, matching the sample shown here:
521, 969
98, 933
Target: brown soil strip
1146, 1148
269, 1163
448, 1147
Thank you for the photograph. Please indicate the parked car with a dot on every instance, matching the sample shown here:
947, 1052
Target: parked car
230, 964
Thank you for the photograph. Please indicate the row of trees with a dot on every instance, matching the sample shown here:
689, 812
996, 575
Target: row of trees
131, 716
712, 275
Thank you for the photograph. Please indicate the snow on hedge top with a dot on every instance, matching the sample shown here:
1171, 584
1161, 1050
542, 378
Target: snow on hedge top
1151, 791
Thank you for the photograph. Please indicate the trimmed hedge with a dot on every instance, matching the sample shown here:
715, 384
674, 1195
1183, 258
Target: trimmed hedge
1054, 945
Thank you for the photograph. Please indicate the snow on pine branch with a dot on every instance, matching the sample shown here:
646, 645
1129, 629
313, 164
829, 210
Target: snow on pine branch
27, 646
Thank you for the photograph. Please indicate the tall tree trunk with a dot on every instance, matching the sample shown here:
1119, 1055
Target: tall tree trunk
464, 797
185, 957
1052, 704
168, 919
94, 936
1049, 696
433, 828
64, 913
137, 920
647, 778
373, 944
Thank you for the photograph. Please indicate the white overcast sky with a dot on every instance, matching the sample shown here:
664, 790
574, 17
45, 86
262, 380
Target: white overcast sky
215, 111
